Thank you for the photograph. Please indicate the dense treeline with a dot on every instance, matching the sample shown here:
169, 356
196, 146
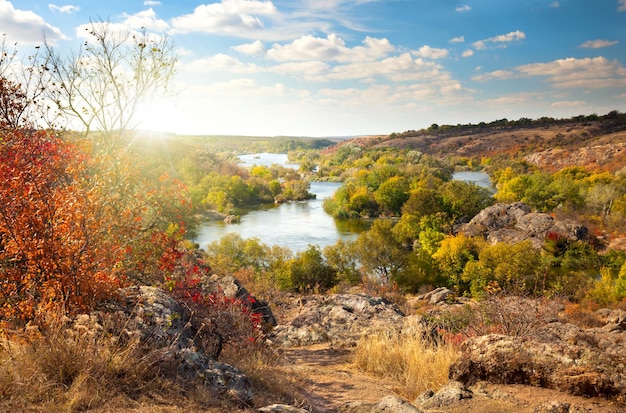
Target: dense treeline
608, 123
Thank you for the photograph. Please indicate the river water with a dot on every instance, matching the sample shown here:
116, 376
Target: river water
295, 225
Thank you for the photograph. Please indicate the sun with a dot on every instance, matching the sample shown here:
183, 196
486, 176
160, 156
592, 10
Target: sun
158, 116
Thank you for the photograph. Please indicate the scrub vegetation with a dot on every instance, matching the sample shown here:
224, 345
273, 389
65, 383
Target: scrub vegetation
84, 213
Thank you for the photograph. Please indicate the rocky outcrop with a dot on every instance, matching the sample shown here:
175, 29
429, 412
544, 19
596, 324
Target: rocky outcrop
164, 327
560, 356
516, 222
340, 318
232, 288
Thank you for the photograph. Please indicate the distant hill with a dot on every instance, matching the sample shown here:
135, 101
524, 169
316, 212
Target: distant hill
597, 142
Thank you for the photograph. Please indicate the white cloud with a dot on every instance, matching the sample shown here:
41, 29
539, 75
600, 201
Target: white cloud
331, 48
151, 3
463, 8
145, 19
569, 73
568, 104
468, 53
68, 9
500, 40
622, 5
402, 68
233, 17
598, 44
496, 74
25, 26
310, 71
431, 52
555, 5
255, 48
458, 39
222, 62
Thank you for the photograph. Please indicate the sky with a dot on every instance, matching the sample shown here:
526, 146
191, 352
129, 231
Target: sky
359, 67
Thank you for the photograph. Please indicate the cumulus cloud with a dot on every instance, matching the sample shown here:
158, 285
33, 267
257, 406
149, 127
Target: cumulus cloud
587, 73
463, 8
458, 39
222, 62
431, 52
597, 44
68, 9
25, 26
500, 40
468, 53
145, 19
151, 3
331, 48
255, 48
233, 17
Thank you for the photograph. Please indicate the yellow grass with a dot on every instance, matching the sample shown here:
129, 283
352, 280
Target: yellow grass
415, 363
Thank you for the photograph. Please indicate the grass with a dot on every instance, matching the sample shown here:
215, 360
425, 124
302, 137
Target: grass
63, 370
415, 363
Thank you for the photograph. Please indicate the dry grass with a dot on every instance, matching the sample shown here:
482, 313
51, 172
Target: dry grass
414, 362
64, 372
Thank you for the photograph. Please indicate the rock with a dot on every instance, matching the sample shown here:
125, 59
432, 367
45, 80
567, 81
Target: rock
394, 404
163, 325
341, 319
439, 295
616, 320
232, 219
451, 393
220, 377
281, 408
574, 366
232, 288
552, 407
515, 222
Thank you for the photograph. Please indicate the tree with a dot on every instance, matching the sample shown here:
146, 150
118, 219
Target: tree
392, 194
381, 255
22, 89
465, 199
308, 271
103, 84
342, 258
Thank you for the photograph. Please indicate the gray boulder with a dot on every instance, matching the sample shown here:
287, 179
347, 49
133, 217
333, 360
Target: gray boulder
572, 365
516, 222
341, 319
164, 327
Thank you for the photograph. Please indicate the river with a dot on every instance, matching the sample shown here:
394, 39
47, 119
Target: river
295, 225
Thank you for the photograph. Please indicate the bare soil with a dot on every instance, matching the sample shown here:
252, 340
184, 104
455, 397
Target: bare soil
329, 380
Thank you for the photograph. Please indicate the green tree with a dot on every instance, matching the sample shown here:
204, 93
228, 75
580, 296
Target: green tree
392, 194
465, 199
381, 255
342, 257
309, 271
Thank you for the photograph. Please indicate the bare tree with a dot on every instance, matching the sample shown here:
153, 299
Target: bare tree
103, 84
23, 83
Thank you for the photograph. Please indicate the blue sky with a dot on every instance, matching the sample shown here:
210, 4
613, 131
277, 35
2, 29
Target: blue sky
358, 67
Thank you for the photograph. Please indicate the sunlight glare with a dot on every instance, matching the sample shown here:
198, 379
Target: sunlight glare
158, 116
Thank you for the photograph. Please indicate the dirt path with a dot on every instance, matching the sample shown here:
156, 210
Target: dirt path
325, 379
328, 379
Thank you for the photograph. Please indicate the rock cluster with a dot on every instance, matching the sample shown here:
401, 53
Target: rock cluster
516, 222
163, 325
340, 319
561, 356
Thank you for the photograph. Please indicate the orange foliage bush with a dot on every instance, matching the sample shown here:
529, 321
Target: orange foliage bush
68, 235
